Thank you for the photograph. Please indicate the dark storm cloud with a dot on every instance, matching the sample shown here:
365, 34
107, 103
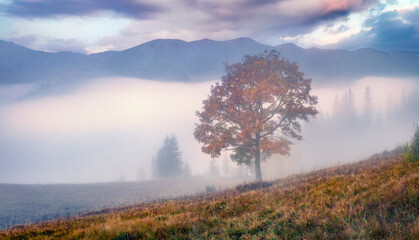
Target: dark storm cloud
290, 17
264, 20
270, 12
49, 8
388, 31
216, 4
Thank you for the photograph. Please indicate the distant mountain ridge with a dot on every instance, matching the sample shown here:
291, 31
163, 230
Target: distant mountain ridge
177, 60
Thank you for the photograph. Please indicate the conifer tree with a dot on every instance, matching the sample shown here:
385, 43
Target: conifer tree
168, 163
412, 154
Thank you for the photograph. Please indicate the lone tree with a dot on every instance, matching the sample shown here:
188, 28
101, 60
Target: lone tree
168, 163
255, 110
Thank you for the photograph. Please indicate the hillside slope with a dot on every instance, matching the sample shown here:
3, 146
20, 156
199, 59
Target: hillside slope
28, 203
377, 198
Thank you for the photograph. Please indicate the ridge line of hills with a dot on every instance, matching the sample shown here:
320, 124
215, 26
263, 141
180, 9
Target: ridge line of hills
201, 60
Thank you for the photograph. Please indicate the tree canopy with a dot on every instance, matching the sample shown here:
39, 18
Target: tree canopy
255, 110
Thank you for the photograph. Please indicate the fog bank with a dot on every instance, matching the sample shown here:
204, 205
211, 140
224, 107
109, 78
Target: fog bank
113, 126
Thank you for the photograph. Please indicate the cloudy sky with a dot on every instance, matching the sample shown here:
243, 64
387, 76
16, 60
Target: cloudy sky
97, 25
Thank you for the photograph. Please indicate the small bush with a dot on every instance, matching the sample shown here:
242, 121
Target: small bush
412, 154
253, 186
210, 189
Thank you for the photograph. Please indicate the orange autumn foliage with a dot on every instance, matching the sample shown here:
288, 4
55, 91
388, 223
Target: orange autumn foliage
256, 109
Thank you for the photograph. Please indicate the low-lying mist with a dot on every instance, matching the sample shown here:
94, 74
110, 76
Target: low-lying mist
110, 127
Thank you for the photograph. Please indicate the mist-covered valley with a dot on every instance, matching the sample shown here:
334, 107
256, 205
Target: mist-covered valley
206, 119
98, 130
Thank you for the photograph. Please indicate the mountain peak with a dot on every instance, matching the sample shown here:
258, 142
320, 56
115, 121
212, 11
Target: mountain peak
288, 46
204, 40
242, 40
159, 43
165, 41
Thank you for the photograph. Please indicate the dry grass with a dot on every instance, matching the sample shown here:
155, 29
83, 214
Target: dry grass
374, 199
24, 204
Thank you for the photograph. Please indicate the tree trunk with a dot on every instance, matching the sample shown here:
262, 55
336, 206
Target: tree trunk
258, 172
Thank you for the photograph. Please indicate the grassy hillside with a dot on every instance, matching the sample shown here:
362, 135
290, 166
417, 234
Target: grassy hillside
377, 198
23, 204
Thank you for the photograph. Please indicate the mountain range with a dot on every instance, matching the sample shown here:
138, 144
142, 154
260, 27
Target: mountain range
177, 60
